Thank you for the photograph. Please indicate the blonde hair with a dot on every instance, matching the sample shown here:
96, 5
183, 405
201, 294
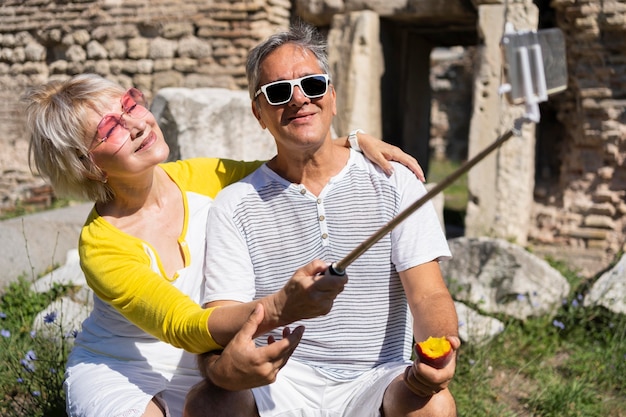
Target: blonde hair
56, 120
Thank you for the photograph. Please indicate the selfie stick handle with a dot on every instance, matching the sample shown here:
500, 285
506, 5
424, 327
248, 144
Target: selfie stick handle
339, 267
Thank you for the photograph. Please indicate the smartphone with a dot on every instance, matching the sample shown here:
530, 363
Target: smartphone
534, 64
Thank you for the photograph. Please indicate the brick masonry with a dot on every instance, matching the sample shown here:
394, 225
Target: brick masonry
148, 44
580, 192
582, 205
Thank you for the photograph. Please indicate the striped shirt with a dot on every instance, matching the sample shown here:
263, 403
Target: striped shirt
263, 228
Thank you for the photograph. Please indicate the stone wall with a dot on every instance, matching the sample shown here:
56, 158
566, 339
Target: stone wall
150, 44
578, 204
581, 210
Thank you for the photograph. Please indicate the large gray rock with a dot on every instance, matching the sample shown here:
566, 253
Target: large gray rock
496, 276
213, 122
609, 290
476, 328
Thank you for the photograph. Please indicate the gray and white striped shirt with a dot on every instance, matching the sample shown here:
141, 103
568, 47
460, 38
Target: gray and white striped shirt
263, 228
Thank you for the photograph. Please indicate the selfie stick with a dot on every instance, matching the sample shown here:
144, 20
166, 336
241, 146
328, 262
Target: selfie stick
534, 90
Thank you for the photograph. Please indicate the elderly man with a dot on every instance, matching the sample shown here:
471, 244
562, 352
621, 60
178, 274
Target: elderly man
318, 201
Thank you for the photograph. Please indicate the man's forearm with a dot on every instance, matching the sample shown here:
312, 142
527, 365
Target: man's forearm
227, 319
435, 316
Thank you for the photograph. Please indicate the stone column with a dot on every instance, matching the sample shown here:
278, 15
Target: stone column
501, 186
355, 57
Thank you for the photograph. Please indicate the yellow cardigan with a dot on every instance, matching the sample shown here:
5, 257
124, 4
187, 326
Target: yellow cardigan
117, 267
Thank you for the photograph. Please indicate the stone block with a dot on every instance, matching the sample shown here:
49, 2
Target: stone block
138, 48
500, 277
600, 222
587, 233
211, 122
95, 50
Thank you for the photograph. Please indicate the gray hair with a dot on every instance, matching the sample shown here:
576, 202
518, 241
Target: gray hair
301, 34
56, 115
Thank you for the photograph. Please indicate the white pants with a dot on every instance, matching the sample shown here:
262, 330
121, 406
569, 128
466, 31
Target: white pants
302, 391
98, 386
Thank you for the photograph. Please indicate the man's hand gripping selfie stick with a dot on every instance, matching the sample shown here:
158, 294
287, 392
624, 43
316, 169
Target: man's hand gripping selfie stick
523, 53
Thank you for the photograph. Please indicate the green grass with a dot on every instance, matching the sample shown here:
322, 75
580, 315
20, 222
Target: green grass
568, 366
31, 377
24, 209
456, 195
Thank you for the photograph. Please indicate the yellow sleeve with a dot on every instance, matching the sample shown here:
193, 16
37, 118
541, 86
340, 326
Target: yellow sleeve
117, 268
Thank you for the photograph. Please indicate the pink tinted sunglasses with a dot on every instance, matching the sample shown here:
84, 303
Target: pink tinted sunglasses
112, 128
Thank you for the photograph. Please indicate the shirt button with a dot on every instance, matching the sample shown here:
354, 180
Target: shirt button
303, 191
322, 218
325, 236
319, 201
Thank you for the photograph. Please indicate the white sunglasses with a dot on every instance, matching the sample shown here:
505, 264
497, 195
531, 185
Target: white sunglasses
280, 92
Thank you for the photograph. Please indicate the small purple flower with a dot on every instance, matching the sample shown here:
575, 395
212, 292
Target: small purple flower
5, 333
521, 297
558, 324
20, 380
33, 333
472, 362
3, 315
31, 355
461, 323
28, 366
50, 317
575, 303
36, 393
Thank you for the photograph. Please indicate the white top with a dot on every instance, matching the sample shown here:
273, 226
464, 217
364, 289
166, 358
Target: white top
108, 333
115, 367
264, 228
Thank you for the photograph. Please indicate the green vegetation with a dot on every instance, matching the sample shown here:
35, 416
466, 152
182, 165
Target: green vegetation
456, 194
31, 380
22, 210
571, 365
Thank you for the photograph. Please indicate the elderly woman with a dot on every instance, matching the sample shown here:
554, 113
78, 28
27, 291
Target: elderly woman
142, 252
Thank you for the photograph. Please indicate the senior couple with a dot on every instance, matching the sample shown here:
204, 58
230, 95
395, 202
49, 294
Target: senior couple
197, 308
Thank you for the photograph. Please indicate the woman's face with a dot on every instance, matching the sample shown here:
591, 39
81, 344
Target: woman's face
126, 138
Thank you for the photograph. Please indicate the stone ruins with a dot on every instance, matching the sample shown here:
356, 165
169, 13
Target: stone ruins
423, 74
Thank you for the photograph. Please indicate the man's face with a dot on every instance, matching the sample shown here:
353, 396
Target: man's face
302, 122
